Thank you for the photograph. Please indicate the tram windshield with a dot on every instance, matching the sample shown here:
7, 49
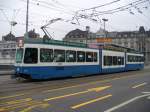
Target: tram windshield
19, 55
31, 56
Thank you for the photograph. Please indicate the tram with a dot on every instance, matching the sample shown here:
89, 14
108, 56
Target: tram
47, 59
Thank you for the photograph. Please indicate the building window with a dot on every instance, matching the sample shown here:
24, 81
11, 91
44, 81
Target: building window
132, 35
77, 36
119, 42
125, 35
119, 35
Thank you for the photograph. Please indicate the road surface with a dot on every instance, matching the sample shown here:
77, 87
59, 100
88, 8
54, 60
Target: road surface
119, 92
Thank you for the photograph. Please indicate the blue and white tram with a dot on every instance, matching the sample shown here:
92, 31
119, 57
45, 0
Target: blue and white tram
40, 60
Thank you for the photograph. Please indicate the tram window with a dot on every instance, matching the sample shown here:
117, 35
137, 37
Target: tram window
89, 56
130, 58
46, 55
119, 61
122, 60
115, 60
107, 60
95, 56
81, 56
110, 59
143, 58
136, 58
133, 58
19, 55
31, 55
70, 56
59, 55
140, 58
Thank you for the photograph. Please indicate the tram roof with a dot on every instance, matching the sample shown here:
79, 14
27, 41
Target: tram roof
54, 42
117, 48
82, 45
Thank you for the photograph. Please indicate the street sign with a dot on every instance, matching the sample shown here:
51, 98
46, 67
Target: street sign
102, 40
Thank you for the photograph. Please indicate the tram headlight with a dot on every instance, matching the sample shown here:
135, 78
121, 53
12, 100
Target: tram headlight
18, 69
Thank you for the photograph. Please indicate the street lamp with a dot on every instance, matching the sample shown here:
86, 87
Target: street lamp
12, 23
105, 20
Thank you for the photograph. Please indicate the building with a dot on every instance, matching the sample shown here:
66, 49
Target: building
80, 36
138, 40
8, 47
7, 52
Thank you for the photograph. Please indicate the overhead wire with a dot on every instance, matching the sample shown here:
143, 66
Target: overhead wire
33, 23
122, 8
60, 9
85, 15
5, 15
51, 6
106, 4
64, 5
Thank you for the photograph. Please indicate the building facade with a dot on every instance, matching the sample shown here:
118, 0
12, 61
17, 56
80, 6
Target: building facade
7, 52
8, 47
80, 36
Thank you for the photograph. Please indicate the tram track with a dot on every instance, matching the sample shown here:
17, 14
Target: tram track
34, 86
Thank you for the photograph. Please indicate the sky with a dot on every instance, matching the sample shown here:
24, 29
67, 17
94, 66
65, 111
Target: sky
42, 11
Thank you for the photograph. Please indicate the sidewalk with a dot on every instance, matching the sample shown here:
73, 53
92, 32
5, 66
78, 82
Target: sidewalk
146, 66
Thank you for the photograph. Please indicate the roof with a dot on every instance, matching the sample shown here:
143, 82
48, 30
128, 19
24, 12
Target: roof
73, 44
77, 33
117, 48
9, 37
54, 42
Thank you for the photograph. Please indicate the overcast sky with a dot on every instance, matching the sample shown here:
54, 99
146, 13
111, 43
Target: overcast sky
41, 11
